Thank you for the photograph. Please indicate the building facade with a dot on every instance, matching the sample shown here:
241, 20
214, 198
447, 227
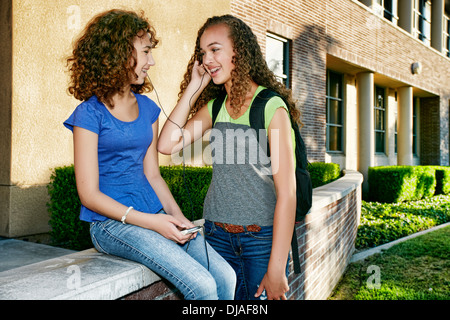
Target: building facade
371, 77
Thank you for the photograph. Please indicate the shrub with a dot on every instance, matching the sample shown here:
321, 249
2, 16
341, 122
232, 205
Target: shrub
384, 222
323, 173
67, 230
400, 183
188, 185
442, 180
191, 191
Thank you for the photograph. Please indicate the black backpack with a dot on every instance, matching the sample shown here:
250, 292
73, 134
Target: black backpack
303, 179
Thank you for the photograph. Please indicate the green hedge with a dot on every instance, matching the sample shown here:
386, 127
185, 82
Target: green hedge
64, 206
442, 180
191, 191
401, 183
67, 230
322, 173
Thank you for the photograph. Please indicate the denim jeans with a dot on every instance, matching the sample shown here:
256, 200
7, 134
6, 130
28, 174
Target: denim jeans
185, 266
248, 253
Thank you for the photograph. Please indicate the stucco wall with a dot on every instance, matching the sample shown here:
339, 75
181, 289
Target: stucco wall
41, 35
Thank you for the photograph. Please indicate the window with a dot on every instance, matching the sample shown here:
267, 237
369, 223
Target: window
383, 8
277, 57
395, 131
380, 115
422, 20
414, 128
335, 112
386, 9
446, 35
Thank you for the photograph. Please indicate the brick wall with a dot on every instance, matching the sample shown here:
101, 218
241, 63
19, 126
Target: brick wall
160, 290
429, 131
326, 242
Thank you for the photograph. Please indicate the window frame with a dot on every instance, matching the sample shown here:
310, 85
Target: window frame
341, 111
420, 20
446, 36
380, 110
414, 129
387, 9
285, 76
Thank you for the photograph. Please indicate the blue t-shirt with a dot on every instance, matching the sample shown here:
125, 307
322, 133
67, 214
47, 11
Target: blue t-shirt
122, 147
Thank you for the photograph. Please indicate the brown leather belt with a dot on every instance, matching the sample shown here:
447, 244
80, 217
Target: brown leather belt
232, 228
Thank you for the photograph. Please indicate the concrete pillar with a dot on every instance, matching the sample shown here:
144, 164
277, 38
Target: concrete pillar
404, 126
405, 15
437, 24
366, 142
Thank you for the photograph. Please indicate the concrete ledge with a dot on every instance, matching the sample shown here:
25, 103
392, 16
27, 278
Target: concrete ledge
332, 192
85, 275
17, 253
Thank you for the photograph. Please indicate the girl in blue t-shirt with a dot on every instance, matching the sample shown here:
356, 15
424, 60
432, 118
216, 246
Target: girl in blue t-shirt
129, 206
249, 214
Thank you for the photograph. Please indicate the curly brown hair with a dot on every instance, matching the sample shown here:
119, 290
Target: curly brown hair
103, 59
249, 65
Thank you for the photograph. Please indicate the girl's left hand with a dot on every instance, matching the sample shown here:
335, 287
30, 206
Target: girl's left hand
275, 285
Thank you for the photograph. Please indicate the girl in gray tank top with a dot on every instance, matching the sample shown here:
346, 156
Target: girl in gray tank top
250, 207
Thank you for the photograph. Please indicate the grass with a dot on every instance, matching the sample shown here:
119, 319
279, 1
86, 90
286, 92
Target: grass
417, 269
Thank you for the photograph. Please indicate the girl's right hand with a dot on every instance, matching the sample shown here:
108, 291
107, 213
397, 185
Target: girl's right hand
169, 227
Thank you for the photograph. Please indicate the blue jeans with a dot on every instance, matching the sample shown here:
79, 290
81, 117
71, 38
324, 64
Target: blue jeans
248, 253
185, 266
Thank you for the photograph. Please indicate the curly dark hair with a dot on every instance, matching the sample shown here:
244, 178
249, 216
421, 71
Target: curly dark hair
249, 65
103, 59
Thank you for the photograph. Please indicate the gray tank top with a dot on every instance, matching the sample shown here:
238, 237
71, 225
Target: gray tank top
242, 190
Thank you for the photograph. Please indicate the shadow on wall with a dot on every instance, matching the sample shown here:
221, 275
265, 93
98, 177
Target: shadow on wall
309, 83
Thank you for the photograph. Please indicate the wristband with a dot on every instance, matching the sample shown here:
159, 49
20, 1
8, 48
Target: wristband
125, 215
